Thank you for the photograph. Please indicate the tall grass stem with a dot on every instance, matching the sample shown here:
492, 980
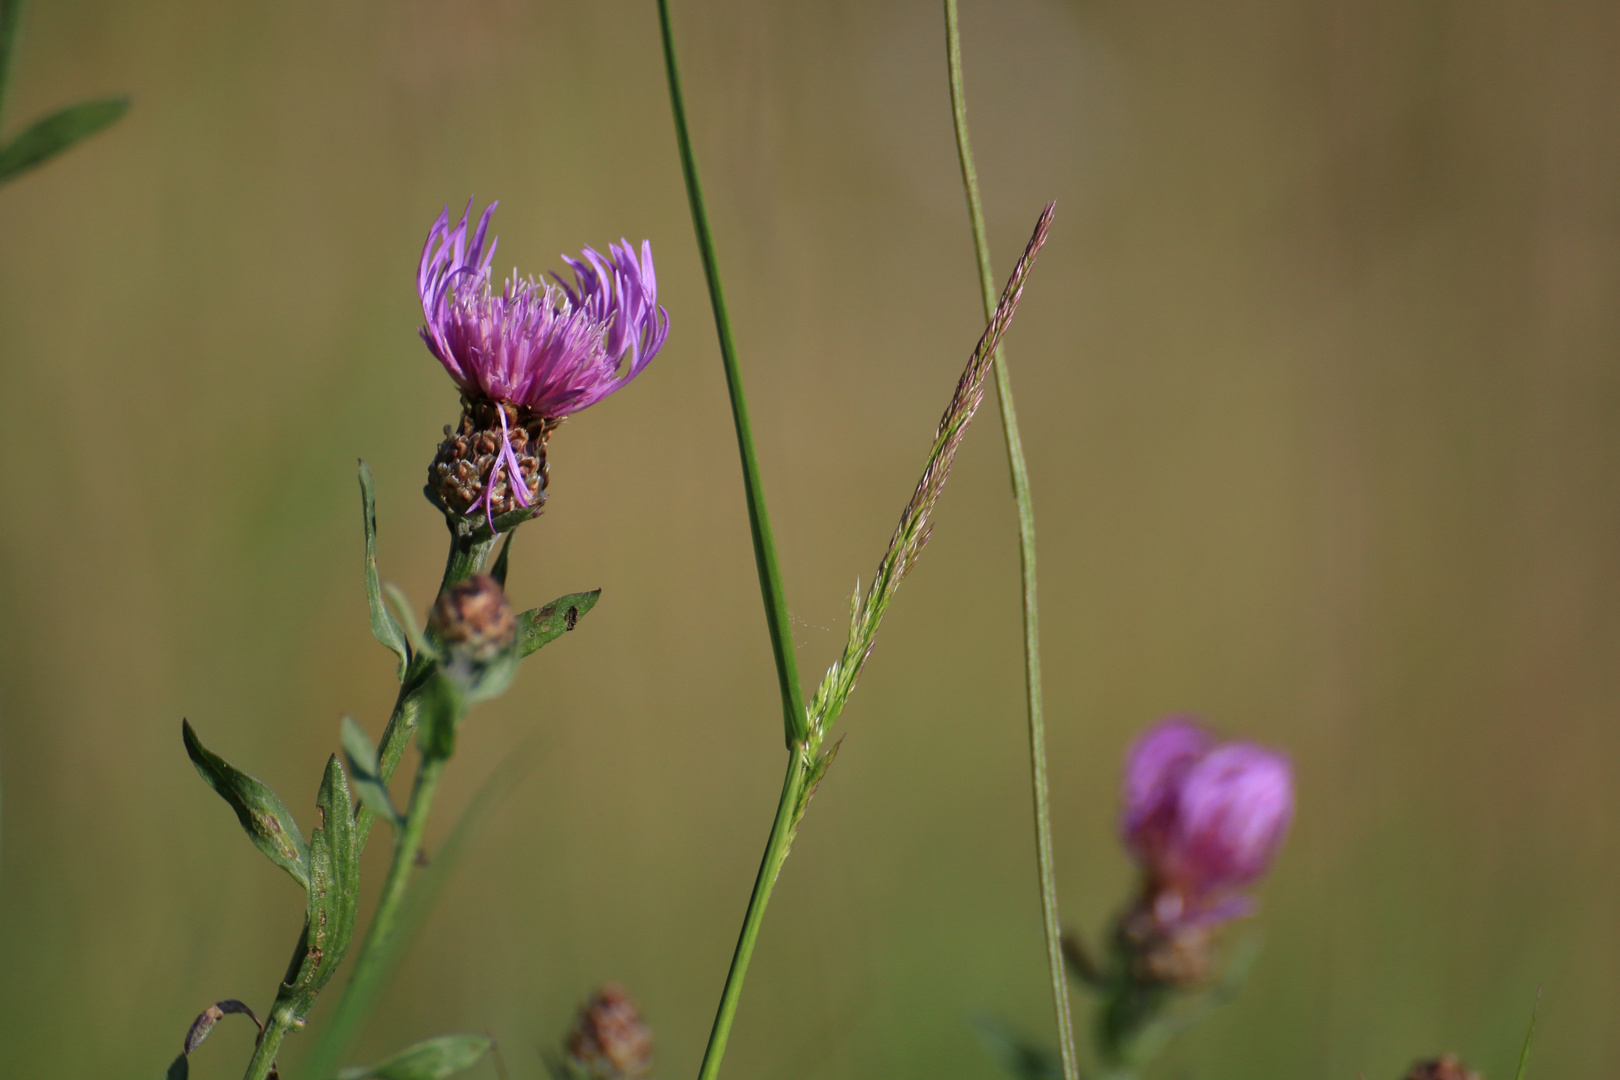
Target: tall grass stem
759, 518
794, 720
1026, 550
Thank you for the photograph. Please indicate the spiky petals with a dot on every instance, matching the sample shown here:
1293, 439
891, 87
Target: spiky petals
545, 350
553, 349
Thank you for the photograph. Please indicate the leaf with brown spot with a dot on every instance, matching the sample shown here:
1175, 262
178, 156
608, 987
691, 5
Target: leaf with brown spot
264, 817
541, 626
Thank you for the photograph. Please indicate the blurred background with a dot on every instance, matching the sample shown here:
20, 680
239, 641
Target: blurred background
1319, 383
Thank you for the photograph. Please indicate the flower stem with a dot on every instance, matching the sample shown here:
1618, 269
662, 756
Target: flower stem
759, 519
372, 966
776, 852
1026, 550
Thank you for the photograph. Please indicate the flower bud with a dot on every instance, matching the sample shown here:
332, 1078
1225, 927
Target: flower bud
472, 618
1445, 1067
1202, 818
608, 1040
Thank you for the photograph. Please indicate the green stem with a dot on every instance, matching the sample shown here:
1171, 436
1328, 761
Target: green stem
372, 966
1026, 551
795, 724
264, 1053
776, 852
10, 24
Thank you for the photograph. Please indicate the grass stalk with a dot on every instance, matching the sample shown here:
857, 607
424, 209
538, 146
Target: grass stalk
1026, 550
794, 720
759, 518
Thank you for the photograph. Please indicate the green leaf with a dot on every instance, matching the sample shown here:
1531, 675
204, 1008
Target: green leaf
58, 131
541, 626
384, 627
334, 892
265, 818
498, 571
363, 767
407, 620
430, 1059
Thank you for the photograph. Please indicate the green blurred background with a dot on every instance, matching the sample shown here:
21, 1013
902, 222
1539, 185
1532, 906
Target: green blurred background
1319, 383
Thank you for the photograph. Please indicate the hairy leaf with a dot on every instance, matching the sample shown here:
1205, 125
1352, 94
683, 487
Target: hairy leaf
265, 818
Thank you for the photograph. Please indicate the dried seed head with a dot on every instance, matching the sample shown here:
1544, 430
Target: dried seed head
1445, 1067
461, 470
609, 1041
473, 617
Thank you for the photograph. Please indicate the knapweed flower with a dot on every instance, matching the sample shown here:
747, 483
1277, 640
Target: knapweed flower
527, 356
1203, 818
609, 1040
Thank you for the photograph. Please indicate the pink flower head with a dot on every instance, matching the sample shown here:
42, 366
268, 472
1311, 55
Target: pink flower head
551, 348
1203, 818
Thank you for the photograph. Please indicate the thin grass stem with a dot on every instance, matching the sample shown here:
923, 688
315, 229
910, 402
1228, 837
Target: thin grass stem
759, 518
794, 720
1026, 551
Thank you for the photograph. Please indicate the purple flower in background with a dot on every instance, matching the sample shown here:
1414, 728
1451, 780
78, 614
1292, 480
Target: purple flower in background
529, 355
1203, 818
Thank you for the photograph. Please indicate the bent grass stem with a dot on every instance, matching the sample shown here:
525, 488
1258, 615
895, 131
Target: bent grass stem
1026, 552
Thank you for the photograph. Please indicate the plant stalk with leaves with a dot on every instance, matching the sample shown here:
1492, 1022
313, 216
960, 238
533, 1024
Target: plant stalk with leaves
521, 359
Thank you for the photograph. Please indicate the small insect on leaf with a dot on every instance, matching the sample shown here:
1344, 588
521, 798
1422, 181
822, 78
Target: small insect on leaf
541, 626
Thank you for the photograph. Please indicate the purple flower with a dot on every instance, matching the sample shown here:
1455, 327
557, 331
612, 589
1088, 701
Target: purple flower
537, 351
1203, 818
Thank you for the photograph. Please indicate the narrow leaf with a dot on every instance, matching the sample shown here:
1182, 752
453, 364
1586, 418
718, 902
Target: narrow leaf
541, 626
334, 890
407, 620
384, 627
265, 818
430, 1059
498, 571
58, 131
363, 768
